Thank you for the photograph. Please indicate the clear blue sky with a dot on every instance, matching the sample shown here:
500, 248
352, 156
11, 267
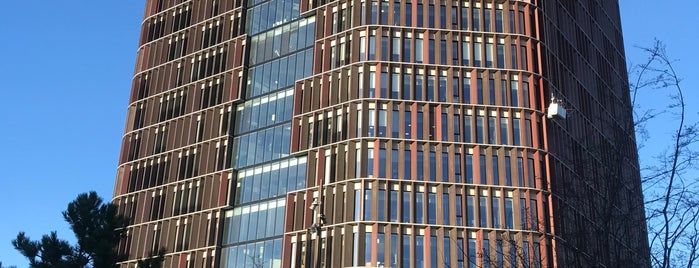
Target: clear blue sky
65, 76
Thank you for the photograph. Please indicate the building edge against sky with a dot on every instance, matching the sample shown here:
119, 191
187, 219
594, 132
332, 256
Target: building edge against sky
297, 133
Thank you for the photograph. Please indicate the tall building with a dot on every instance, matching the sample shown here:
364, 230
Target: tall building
315, 133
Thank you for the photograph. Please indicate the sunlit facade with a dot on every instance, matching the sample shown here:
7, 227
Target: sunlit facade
301, 133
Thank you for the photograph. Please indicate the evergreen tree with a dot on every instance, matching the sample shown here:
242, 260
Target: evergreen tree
95, 225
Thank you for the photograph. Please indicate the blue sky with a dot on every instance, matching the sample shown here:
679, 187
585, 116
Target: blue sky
65, 77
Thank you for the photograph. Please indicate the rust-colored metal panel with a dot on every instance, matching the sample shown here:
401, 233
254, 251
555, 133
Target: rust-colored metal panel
223, 189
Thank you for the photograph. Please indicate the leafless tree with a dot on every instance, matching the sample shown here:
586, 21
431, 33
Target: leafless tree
670, 188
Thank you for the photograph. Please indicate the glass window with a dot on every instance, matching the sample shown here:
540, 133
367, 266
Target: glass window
483, 211
395, 85
523, 56
477, 54
420, 128
499, 251
483, 171
380, 246
488, 54
464, 18
472, 255
503, 92
371, 122
443, 51
446, 252
381, 209
432, 166
509, 213
496, 171
382, 122
394, 126
514, 88
407, 50
525, 93
406, 164
496, 212
503, 131
465, 53
491, 91
454, 52
470, 209
455, 89
406, 207
456, 122
395, 49
406, 256
534, 214
528, 132
498, 23
372, 84
513, 56
491, 129
525, 255
469, 168
537, 255
443, 16
370, 163
374, 12
445, 209
394, 163
479, 128
407, 124
431, 50
486, 253
384, 48
393, 207
384, 13
406, 86
419, 205
430, 87
445, 166
382, 163
442, 89
466, 83
501, 56
431, 208
430, 15
508, 172
459, 210
457, 167
419, 251
372, 47
515, 131
520, 172
420, 10
408, 15
486, 19
523, 213
420, 165
396, 13
476, 19
419, 50
355, 249
479, 90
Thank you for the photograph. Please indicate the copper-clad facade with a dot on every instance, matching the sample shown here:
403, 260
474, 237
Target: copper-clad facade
349, 133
